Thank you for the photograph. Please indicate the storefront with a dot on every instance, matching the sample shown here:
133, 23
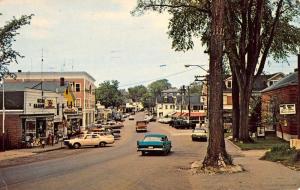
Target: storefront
37, 126
74, 120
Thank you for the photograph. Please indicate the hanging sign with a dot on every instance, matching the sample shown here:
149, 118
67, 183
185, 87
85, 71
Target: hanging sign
286, 109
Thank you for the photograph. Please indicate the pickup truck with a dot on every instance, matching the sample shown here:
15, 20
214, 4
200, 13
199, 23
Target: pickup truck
183, 124
154, 143
141, 126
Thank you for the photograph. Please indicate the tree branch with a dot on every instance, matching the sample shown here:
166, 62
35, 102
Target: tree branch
178, 6
270, 41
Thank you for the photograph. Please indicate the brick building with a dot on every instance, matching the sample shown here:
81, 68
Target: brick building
82, 86
279, 103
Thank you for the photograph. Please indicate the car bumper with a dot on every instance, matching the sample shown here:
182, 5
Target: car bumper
199, 136
151, 149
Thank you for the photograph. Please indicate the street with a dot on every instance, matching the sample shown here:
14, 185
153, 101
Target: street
121, 167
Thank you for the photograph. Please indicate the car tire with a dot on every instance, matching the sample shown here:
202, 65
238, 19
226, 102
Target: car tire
102, 144
143, 153
77, 145
165, 153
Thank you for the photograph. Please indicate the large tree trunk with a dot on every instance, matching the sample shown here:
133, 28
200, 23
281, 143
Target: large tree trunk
235, 108
244, 115
216, 156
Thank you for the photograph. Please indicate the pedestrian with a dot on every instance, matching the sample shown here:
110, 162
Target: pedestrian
43, 142
52, 139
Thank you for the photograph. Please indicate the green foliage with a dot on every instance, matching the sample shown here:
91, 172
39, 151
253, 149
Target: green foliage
109, 95
196, 88
156, 87
136, 93
148, 100
7, 36
282, 152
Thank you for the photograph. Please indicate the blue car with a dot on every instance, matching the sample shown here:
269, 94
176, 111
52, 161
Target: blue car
154, 143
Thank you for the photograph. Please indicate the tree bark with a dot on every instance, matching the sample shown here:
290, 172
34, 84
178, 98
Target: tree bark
235, 108
216, 156
244, 115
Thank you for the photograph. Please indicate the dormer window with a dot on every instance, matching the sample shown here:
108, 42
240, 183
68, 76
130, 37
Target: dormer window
229, 84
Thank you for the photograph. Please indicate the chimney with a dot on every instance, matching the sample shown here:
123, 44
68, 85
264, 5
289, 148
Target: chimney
62, 81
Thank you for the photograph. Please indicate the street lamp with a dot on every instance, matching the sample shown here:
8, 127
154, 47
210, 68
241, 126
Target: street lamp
200, 66
207, 71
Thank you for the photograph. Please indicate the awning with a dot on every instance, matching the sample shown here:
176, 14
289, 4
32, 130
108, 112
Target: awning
197, 114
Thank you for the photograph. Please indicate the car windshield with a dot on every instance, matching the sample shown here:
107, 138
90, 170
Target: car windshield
200, 130
151, 139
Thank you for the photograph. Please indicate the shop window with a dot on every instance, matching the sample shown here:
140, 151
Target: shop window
77, 87
166, 106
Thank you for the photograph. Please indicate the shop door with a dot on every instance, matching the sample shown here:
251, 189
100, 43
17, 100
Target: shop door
41, 127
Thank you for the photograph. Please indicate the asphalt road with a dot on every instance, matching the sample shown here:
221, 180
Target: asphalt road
115, 167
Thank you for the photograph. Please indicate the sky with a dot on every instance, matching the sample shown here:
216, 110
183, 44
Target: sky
102, 38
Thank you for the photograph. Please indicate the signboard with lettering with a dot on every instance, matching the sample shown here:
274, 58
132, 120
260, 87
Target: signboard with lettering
286, 109
47, 103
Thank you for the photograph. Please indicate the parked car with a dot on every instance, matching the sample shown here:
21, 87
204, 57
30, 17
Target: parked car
199, 134
141, 126
154, 143
165, 120
183, 124
131, 117
90, 140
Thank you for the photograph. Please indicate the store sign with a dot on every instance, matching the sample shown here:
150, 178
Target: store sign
47, 103
286, 109
70, 110
50, 103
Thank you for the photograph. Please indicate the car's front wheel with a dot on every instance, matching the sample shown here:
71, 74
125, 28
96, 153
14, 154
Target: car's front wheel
143, 153
76, 145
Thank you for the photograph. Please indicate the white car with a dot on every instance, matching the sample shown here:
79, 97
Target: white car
90, 140
165, 120
131, 117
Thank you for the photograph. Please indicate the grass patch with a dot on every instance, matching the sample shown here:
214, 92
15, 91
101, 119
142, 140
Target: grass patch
262, 144
285, 155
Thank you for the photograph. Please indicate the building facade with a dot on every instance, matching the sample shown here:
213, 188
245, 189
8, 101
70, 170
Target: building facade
279, 102
82, 86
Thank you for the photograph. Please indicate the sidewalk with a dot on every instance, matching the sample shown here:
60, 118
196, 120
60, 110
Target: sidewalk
10, 154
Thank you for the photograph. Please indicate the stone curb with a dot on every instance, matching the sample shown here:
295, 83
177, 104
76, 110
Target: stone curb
47, 150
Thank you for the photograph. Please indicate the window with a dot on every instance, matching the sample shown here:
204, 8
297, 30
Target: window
95, 136
88, 137
224, 99
166, 106
78, 102
77, 86
229, 84
57, 109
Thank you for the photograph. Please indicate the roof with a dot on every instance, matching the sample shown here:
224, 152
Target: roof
54, 74
166, 100
194, 99
291, 79
170, 90
47, 86
260, 83
155, 135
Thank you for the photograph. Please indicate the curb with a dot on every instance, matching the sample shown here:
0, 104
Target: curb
234, 145
48, 150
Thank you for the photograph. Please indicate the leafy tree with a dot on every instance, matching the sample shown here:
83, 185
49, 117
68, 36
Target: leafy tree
148, 100
158, 86
136, 93
196, 88
109, 95
253, 30
7, 36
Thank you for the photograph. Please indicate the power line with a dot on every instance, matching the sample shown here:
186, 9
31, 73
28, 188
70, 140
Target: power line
158, 78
